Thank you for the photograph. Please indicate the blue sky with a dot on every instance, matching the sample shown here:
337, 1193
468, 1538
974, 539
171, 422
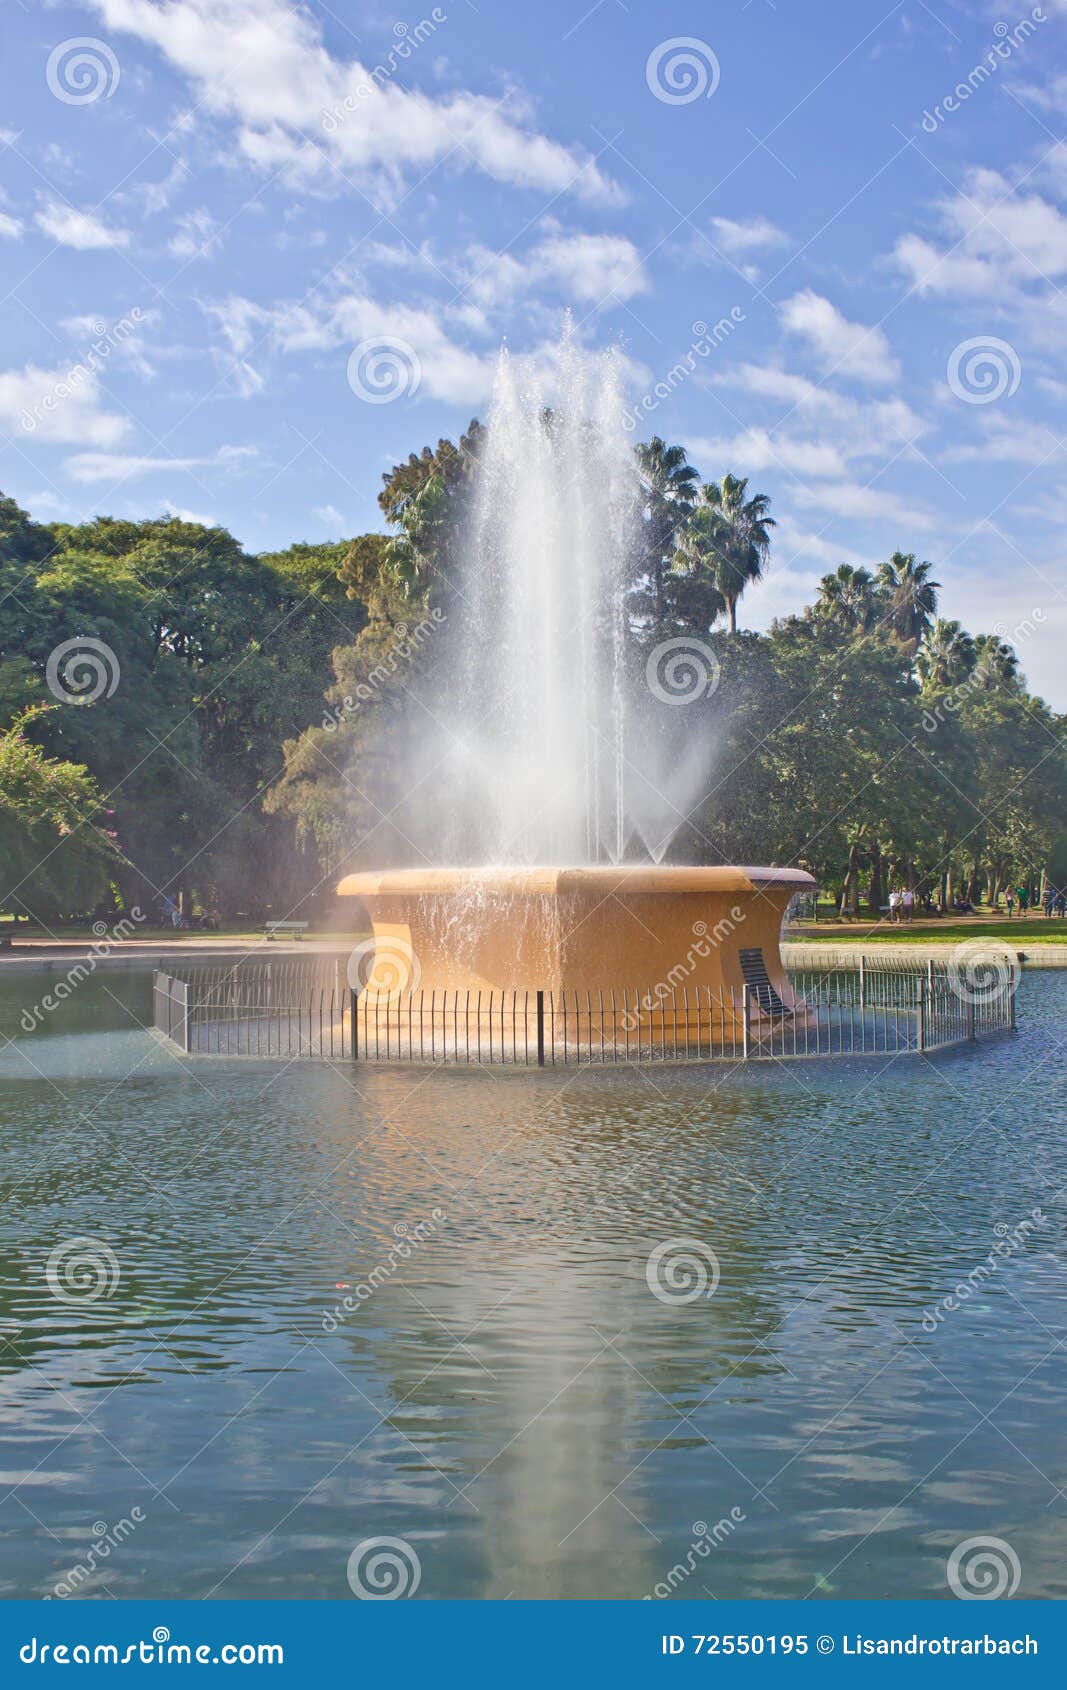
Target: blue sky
208, 206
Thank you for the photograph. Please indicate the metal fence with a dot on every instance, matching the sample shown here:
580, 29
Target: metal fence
245, 1012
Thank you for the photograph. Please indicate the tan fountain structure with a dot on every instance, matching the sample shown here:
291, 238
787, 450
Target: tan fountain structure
566, 931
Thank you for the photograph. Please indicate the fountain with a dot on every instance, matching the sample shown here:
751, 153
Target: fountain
556, 747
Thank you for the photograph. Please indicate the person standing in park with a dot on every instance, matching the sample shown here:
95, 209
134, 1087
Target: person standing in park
1009, 902
908, 901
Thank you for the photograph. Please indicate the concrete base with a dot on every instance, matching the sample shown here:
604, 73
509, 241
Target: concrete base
648, 931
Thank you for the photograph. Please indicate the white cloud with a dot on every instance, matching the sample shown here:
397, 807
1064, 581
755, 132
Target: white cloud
838, 344
1008, 440
196, 235
865, 504
116, 466
60, 405
78, 229
1000, 241
820, 431
10, 227
447, 370
329, 516
586, 269
757, 449
263, 64
738, 240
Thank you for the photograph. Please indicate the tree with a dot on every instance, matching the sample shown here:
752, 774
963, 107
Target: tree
946, 655
668, 483
847, 599
56, 851
911, 597
739, 537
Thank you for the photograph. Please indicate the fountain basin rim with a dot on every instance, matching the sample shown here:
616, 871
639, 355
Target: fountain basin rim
537, 882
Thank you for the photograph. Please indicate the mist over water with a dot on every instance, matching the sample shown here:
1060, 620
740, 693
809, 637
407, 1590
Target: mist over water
551, 756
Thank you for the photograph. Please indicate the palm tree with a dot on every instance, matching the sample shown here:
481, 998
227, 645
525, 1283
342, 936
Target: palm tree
911, 597
669, 483
696, 600
847, 599
739, 536
946, 655
995, 661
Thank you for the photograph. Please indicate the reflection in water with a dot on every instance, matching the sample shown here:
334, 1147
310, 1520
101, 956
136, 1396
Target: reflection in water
502, 1389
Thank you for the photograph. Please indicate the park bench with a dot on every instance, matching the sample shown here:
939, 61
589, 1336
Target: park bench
290, 929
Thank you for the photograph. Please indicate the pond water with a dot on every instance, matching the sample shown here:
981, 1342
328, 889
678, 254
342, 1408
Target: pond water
510, 1398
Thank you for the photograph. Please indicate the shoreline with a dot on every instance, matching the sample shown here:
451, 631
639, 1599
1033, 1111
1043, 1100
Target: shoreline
55, 956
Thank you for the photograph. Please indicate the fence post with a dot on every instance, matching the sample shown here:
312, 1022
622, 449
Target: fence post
540, 1029
930, 973
355, 1022
971, 1033
746, 1022
863, 982
922, 1015
187, 1031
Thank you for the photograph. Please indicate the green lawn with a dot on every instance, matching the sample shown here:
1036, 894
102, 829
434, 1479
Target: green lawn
1020, 931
